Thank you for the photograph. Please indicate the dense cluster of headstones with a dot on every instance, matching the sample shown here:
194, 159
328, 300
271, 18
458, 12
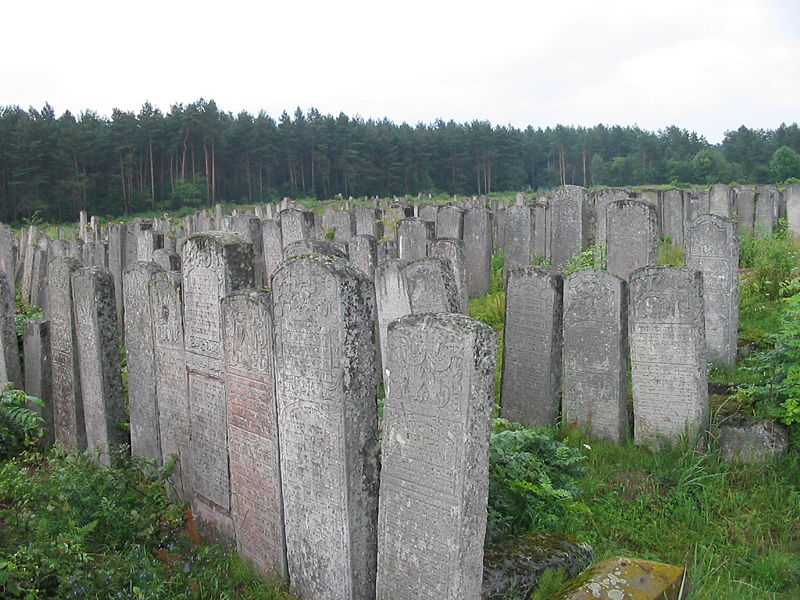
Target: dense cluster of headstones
255, 343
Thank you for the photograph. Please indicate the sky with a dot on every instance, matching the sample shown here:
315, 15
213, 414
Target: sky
708, 66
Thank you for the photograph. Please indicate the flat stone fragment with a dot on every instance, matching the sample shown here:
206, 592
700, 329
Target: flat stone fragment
621, 578
749, 440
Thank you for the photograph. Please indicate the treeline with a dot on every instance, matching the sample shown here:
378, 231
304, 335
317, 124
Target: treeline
196, 155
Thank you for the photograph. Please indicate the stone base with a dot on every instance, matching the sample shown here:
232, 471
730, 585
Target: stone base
750, 440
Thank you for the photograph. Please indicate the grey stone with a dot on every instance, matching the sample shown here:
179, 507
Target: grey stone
391, 297
744, 201
452, 251
214, 264
749, 440
766, 212
387, 249
147, 240
324, 310
478, 251
414, 237
428, 212
450, 222
571, 217
367, 221
98, 345
272, 244
720, 200
344, 225
117, 238
791, 196
532, 346
600, 200
668, 363
7, 262
518, 228
139, 350
256, 501
431, 286
542, 225
167, 259
39, 277
10, 368
595, 354
632, 236
363, 251
713, 249
39, 372
434, 487
673, 215
301, 248
296, 226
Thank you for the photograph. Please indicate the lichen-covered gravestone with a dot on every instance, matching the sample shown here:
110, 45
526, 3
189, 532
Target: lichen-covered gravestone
38, 371
571, 218
435, 456
631, 236
324, 313
532, 346
453, 252
214, 264
518, 229
296, 225
668, 363
600, 201
98, 356
256, 501
10, 368
431, 286
414, 237
450, 222
478, 251
713, 249
595, 386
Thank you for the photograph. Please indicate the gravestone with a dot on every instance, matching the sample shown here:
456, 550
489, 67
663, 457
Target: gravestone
698, 203
720, 200
518, 227
600, 200
171, 382
478, 251
570, 217
39, 277
632, 236
453, 252
414, 237
450, 222
296, 225
363, 251
249, 227
595, 354
167, 259
139, 350
713, 249
256, 502
116, 259
673, 215
431, 286
668, 363
272, 243
428, 212
324, 311
391, 299
344, 225
541, 228
147, 240
7, 264
532, 346
791, 196
70, 429
434, 487
98, 356
214, 264
744, 199
10, 368
38, 371
767, 201
338, 249
367, 221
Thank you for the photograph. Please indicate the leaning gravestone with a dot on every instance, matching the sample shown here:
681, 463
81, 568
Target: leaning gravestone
478, 251
324, 311
632, 236
70, 429
256, 504
98, 356
713, 249
532, 346
10, 368
214, 264
541, 228
142, 402
435, 457
595, 386
453, 252
171, 383
668, 363
39, 372
571, 216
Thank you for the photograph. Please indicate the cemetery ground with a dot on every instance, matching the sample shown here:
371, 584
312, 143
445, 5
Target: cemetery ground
71, 529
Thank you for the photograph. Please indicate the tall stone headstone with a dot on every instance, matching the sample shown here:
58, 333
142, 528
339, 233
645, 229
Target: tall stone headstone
214, 264
296, 225
571, 217
324, 312
673, 215
363, 251
117, 238
478, 251
744, 202
632, 236
434, 487
167, 259
431, 285
7, 262
141, 357
98, 345
766, 212
428, 212
148, 240
720, 200
68, 420
600, 200
171, 381
272, 244
668, 363
542, 224
518, 234
450, 222
249, 227
452, 251
532, 346
595, 353
344, 225
256, 501
391, 298
10, 368
367, 221
414, 237
38, 371
713, 249
791, 196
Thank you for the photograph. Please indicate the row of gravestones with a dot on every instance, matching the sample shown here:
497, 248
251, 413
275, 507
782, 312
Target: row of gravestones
267, 403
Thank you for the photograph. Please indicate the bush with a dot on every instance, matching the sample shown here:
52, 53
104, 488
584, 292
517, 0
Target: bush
532, 480
20, 427
594, 257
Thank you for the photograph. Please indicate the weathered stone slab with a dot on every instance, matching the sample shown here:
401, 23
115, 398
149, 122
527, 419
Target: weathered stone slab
571, 222
431, 286
147, 240
744, 202
249, 227
532, 346
749, 440
387, 249
595, 354
518, 227
542, 224
766, 211
428, 212
391, 297
452, 251
324, 311
301, 248
214, 264
673, 215
117, 238
791, 196
434, 487
256, 500
668, 363
142, 401
367, 221
720, 200
38, 371
296, 225
167, 259
98, 343
272, 244
171, 382
344, 225
10, 368
363, 251
7, 260
414, 237
631, 236
713, 249
600, 201
39, 278
478, 251
450, 222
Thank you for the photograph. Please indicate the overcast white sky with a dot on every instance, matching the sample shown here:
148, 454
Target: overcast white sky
705, 65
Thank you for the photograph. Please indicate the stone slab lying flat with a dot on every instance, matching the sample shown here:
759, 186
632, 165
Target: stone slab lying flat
622, 578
